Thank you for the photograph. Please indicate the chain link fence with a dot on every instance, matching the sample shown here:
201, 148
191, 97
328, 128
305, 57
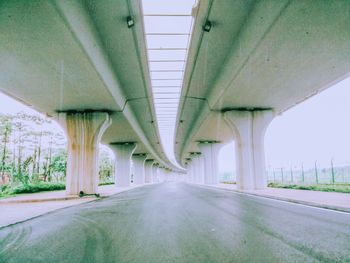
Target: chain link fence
318, 174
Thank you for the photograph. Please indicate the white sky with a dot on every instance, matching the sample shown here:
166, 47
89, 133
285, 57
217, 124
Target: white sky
168, 25
12, 106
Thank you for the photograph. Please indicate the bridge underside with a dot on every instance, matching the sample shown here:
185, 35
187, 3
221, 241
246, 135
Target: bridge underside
268, 57
80, 60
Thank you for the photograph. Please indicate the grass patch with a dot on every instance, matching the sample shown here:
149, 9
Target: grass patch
340, 188
39, 187
8, 190
105, 183
12, 190
228, 182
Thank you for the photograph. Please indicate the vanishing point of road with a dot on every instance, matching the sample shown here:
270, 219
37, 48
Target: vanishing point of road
178, 222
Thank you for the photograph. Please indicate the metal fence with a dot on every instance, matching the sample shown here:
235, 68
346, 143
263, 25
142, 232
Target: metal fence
333, 174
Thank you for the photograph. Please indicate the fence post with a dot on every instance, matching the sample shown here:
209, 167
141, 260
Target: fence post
316, 174
302, 173
274, 176
291, 173
282, 174
333, 174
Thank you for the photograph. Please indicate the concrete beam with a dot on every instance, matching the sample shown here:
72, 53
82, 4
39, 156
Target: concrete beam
84, 131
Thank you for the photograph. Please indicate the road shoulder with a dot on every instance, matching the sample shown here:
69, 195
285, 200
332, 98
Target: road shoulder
326, 200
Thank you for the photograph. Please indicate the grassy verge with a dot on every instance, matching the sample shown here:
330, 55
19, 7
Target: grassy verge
340, 188
228, 182
9, 190
105, 183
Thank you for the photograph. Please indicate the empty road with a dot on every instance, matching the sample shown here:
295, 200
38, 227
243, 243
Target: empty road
177, 222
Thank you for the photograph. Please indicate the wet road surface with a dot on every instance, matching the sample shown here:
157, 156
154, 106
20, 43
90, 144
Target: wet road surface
177, 222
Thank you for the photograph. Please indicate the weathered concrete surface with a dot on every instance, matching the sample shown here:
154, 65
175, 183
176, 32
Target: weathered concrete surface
174, 222
84, 131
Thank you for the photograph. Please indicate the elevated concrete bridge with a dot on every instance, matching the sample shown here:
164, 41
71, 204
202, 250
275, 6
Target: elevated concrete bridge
85, 63
224, 69
79, 62
259, 59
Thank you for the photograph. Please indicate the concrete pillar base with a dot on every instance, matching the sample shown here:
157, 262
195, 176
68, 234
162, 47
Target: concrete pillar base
123, 152
84, 131
249, 131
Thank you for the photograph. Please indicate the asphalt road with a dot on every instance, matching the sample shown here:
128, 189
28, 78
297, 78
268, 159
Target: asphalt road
176, 222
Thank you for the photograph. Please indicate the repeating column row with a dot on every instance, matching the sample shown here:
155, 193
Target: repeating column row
248, 129
84, 131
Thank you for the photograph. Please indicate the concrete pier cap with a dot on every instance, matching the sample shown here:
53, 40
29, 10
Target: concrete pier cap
123, 152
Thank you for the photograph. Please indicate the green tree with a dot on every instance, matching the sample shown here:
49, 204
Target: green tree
105, 166
5, 131
59, 165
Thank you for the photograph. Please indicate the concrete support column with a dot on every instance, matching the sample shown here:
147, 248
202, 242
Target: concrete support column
148, 171
139, 168
198, 169
161, 174
189, 173
190, 170
249, 131
193, 168
186, 175
210, 151
84, 131
201, 168
123, 152
155, 173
